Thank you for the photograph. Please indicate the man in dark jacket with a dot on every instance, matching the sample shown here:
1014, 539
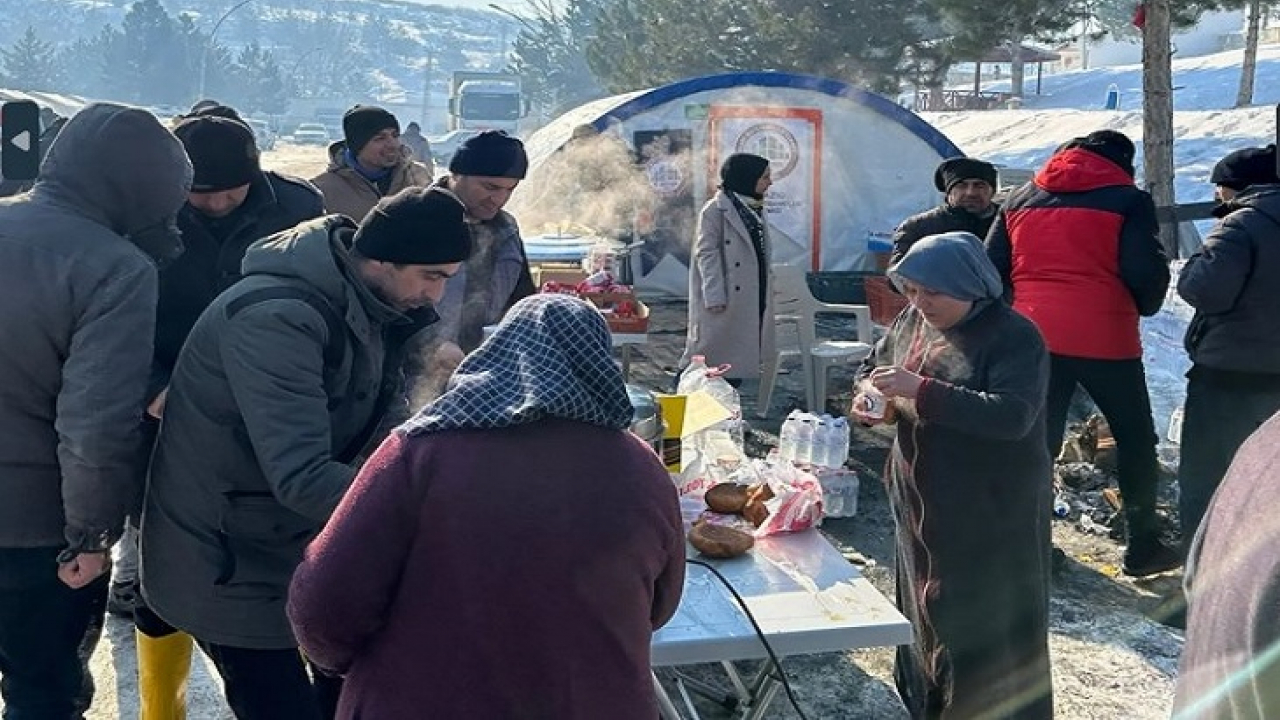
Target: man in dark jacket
1234, 338
483, 173
1078, 251
1229, 668
276, 392
77, 314
232, 203
969, 185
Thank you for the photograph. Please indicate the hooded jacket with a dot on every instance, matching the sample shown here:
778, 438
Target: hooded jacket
209, 265
77, 313
1231, 282
346, 191
1077, 249
246, 467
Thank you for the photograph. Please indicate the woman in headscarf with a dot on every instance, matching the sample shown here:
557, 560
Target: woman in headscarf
729, 272
969, 480
507, 552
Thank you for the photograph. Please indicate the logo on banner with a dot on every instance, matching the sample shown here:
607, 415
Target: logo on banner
774, 142
667, 176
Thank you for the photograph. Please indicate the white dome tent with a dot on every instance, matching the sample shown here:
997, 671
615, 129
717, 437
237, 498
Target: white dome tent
848, 166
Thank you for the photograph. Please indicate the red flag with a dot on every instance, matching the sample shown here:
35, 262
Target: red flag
1140, 16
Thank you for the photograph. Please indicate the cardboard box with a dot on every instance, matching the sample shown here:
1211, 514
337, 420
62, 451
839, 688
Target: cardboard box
637, 322
564, 274
685, 415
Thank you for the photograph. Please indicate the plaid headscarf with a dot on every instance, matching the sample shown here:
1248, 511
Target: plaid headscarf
551, 357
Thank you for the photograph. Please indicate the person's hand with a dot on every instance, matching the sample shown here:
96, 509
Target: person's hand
896, 382
83, 569
716, 309
156, 408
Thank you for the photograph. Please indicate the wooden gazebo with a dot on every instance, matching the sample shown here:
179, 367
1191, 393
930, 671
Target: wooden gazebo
977, 99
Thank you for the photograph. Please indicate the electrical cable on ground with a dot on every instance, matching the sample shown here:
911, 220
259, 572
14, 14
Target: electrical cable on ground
777, 664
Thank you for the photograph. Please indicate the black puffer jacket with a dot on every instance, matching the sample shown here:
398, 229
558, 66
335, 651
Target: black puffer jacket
942, 219
1232, 283
214, 251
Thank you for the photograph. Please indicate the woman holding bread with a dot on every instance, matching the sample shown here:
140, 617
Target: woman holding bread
969, 480
509, 551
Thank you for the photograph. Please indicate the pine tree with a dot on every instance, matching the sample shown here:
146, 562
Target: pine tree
260, 86
31, 64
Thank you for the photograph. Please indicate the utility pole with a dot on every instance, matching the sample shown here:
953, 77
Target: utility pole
426, 94
1157, 117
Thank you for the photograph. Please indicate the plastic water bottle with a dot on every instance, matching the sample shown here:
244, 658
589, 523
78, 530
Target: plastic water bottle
821, 442
840, 429
1061, 508
832, 499
804, 440
787, 437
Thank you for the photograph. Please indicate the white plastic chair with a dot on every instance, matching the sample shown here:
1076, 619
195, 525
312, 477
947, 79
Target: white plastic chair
794, 309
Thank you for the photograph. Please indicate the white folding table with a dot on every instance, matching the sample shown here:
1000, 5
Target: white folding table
804, 595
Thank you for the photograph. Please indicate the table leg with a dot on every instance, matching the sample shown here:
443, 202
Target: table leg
626, 362
667, 709
762, 700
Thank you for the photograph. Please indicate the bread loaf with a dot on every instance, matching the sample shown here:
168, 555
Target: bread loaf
727, 498
718, 541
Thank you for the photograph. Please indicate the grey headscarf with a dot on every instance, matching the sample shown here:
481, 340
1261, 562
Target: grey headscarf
953, 264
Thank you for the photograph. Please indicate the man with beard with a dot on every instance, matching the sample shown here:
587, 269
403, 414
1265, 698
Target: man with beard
368, 164
281, 384
969, 186
232, 203
483, 173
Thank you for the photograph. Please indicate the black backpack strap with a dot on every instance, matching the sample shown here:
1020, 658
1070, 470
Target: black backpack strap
336, 347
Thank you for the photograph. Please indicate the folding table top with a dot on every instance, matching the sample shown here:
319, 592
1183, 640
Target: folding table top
806, 597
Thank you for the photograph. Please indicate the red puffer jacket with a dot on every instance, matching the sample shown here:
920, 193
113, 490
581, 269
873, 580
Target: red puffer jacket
1078, 251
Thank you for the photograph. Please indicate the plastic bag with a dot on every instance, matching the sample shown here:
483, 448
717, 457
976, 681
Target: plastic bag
797, 502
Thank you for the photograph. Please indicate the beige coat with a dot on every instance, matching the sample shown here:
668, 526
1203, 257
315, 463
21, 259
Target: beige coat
724, 271
346, 191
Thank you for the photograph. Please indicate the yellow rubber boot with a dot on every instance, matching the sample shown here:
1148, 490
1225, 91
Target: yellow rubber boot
164, 664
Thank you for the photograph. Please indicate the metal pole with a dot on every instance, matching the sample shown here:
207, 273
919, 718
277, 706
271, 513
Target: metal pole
204, 56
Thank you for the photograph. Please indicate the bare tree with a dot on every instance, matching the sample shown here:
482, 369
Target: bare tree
1248, 69
1157, 116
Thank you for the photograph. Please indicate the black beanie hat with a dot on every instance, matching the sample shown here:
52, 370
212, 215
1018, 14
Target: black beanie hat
492, 153
958, 169
1110, 144
416, 226
1242, 168
741, 171
222, 151
362, 122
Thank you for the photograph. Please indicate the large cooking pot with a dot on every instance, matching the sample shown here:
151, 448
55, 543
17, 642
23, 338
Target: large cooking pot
646, 417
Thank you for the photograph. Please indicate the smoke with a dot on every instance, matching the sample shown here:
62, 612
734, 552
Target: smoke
590, 186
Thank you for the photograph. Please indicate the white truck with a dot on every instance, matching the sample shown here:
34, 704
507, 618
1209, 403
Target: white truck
486, 101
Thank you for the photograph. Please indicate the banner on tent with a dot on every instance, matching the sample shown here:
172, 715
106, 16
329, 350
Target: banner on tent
791, 138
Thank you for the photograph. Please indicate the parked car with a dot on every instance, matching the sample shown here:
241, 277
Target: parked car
444, 146
262, 133
311, 134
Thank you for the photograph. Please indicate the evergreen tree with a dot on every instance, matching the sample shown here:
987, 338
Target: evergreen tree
549, 54
31, 64
260, 86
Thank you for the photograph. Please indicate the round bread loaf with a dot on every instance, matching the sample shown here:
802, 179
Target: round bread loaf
727, 498
718, 541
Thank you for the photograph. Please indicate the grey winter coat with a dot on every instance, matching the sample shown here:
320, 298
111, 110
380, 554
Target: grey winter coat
245, 470
724, 271
77, 313
348, 192
1232, 283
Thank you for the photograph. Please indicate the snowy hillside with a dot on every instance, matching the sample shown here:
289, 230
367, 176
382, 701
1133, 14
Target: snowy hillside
1205, 125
